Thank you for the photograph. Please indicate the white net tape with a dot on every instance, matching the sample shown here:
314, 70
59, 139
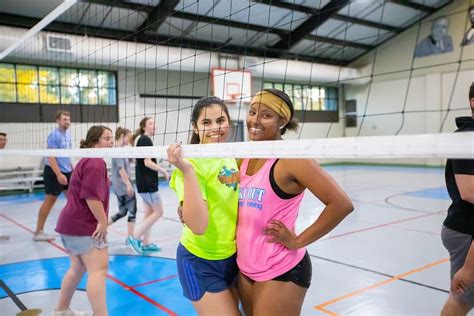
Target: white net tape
453, 145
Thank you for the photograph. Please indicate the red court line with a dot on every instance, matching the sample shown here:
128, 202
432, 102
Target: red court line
116, 231
31, 231
125, 286
382, 225
146, 298
156, 281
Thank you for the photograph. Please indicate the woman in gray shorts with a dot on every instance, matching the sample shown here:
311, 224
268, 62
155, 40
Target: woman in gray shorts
146, 172
82, 226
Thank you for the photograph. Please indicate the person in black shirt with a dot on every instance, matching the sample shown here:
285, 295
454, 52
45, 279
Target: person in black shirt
458, 227
146, 173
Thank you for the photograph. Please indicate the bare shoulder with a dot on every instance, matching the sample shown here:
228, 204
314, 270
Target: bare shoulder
300, 166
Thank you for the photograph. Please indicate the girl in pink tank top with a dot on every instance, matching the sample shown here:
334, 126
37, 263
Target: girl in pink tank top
258, 205
274, 264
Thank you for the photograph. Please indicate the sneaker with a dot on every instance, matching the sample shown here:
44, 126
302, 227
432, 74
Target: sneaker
41, 236
135, 244
151, 248
69, 312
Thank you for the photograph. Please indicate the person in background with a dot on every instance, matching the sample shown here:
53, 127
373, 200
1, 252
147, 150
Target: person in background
458, 227
122, 183
146, 174
82, 226
3, 144
3, 140
56, 174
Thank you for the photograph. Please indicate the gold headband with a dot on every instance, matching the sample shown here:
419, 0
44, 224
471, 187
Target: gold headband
275, 103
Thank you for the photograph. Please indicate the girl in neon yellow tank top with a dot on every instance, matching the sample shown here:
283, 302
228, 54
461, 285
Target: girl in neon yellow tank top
208, 192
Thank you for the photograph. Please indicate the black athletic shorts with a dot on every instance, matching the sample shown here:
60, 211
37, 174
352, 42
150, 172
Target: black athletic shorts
51, 184
300, 275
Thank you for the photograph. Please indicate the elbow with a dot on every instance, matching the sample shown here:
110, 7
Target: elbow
348, 207
199, 232
146, 162
198, 229
197, 225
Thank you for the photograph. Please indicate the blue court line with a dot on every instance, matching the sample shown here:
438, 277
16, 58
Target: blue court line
21, 198
46, 274
39, 196
434, 193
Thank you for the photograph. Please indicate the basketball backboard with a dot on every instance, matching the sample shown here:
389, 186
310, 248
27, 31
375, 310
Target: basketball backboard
232, 86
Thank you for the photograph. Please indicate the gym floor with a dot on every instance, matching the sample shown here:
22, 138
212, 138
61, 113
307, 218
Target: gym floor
386, 258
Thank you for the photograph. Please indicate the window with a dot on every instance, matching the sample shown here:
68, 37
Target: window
69, 86
308, 98
49, 85
53, 85
27, 84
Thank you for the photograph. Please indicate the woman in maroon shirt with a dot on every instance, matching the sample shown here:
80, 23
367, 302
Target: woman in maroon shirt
82, 226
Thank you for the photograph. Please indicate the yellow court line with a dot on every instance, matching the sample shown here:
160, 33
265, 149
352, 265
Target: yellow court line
321, 308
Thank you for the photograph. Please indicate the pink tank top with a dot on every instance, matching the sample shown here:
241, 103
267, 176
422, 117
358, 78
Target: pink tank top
258, 204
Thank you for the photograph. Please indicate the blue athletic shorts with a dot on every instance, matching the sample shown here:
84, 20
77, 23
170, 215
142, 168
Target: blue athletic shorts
198, 275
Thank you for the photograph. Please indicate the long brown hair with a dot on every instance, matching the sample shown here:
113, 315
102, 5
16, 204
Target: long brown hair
93, 136
141, 128
121, 131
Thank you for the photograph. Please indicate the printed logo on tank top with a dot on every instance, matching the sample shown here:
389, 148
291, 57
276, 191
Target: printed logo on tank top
251, 197
229, 177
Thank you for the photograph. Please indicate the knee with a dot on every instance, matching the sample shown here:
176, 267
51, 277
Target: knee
158, 211
100, 272
132, 217
78, 269
455, 307
122, 212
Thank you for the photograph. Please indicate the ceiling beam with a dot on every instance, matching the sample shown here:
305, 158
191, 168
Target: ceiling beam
339, 17
122, 5
242, 25
349, 19
335, 41
289, 6
312, 23
225, 22
156, 17
414, 5
72, 28
263, 29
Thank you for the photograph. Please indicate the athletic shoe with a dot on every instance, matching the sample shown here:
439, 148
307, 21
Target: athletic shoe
135, 244
41, 236
151, 248
69, 312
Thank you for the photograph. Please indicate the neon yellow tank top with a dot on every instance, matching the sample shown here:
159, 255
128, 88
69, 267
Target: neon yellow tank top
218, 180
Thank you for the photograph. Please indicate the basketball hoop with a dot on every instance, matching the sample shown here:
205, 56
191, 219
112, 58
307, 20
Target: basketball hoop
233, 91
232, 86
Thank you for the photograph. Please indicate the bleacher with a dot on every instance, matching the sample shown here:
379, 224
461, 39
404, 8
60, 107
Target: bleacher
30, 177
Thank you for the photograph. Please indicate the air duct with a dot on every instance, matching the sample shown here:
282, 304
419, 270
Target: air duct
93, 51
